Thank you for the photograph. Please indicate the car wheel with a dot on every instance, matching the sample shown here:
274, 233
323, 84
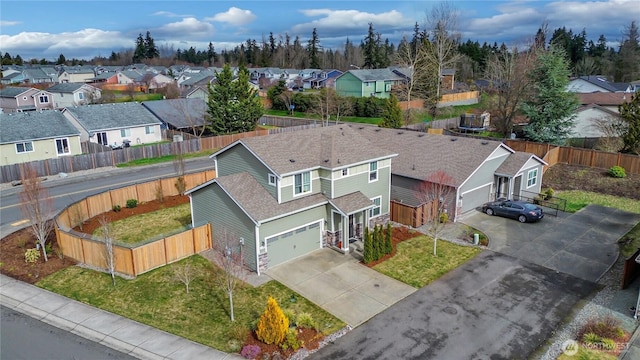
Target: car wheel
522, 219
489, 211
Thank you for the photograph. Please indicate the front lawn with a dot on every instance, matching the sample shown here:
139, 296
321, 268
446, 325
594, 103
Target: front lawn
577, 199
202, 315
165, 158
152, 225
414, 263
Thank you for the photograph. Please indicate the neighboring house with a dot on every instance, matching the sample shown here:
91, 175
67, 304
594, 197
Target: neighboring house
18, 99
480, 170
37, 135
321, 79
596, 83
158, 81
110, 124
12, 78
288, 194
77, 74
106, 77
38, 76
608, 100
186, 115
365, 83
73, 94
196, 92
590, 119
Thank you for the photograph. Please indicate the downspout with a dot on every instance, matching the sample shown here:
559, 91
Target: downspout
257, 243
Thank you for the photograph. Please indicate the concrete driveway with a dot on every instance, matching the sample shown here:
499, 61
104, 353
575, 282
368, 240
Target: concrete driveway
583, 244
341, 285
492, 307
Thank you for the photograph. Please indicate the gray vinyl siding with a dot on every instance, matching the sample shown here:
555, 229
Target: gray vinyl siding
403, 189
238, 159
226, 214
286, 192
277, 226
530, 165
484, 174
360, 182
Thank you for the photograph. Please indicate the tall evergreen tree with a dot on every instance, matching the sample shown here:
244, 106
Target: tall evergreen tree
211, 54
140, 51
550, 109
369, 49
150, 49
61, 60
630, 114
313, 49
391, 113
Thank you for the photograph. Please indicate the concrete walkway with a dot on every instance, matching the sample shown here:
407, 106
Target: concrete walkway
340, 285
114, 331
583, 244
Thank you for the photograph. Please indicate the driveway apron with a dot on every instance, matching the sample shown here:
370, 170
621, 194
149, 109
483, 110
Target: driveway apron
340, 285
583, 244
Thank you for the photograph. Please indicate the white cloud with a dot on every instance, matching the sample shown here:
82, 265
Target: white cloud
9, 23
169, 14
234, 16
186, 28
335, 21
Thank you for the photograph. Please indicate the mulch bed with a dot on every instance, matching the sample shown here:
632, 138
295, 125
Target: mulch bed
573, 177
309, 338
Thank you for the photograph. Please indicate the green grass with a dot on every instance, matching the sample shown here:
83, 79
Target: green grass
303, 115
577, 199
630, 242
414, 263
588, 354
202, 315
162, 159
140, 228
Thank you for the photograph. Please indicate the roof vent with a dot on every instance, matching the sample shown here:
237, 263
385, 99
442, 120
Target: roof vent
378, 129
400, 132
326, 160
484, 142
413, 167
453, 139
360, 127
292, 160
420, 135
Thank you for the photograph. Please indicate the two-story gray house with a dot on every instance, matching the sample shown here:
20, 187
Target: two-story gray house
288, 194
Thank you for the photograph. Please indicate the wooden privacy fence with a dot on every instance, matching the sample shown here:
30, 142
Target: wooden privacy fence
130, 260
414, 216
553, 154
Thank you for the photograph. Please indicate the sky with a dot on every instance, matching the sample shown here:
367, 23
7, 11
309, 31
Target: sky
83, 29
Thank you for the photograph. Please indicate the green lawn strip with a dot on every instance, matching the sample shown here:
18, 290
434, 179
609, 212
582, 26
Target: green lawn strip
576, 200
162, 159
587, 354
414, 263
153, 225
202, 315
630, 242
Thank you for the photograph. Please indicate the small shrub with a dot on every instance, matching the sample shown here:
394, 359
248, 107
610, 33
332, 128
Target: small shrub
250, 351
291, 341
617, 172
181, 185
548, 193
131, 203
239, 332
159, 193
605, 328
305, 320
608, 344
117, 208
273, 325
48, 248
234, 345
31, 256
444, 218
591, 338
289, 314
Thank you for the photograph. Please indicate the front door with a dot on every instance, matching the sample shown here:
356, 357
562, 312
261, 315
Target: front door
352, 226
517, 183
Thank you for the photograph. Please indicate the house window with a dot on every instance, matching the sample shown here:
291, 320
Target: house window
272, 179
102, 138
63, 146
375, 210
373, 171
532, 177
345, 172
302, 183
125, 132
81, 95
24, 147
44, 99
149, 130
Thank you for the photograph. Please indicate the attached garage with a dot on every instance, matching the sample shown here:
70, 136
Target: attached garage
474, 198
293, 243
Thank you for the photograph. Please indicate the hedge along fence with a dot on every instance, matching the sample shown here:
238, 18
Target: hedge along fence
130, 260
577, 156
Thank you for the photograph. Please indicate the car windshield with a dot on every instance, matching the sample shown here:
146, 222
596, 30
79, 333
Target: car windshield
530, 207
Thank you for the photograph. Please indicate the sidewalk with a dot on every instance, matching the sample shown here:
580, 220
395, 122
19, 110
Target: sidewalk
633, 351
114, 331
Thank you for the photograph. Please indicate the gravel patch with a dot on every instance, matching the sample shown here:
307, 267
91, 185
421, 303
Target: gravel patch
329, 339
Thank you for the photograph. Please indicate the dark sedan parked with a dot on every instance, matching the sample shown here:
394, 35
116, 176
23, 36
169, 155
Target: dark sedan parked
521, 210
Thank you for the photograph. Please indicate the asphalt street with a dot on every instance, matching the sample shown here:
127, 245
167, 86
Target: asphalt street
25, 338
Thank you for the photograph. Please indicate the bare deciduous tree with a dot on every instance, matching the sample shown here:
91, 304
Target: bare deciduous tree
192, 114
227, 250
611, 128
37, 206
412, 60
437, 190
180, 167
106, 234
185, 273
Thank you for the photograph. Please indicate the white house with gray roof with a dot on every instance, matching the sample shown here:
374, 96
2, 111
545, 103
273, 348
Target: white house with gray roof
110, 124
289, 194
20, 99
73, 94
36, 135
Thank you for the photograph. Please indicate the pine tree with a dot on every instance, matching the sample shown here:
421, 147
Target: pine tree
140, 52
313, 48
391, 113
388, 244
377, 243
630, 114
220, 95
273, 324
368, 249
150, 49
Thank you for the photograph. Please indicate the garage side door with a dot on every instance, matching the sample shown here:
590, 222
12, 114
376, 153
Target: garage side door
293, 243
475, 198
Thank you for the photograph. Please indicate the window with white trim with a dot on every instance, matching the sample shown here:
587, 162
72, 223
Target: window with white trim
149, 130
373, 171
62, 146
375, 210
24, 147
302, 183
81, 95
125, 132
44, 99
345, 171
272, 179
532, 178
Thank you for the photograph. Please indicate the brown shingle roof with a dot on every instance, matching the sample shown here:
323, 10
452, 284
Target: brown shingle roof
421, 154
258, 203
514, 163
350, 203
604, 98
328, 147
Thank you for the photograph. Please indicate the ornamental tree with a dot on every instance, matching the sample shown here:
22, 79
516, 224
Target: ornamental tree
273, 324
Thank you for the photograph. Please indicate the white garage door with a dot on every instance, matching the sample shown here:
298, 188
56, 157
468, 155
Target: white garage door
475, 198
293, 243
